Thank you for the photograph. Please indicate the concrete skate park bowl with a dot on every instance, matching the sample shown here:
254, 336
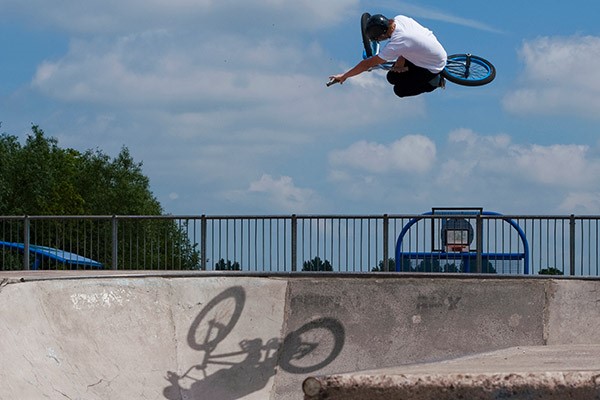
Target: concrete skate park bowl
236, 336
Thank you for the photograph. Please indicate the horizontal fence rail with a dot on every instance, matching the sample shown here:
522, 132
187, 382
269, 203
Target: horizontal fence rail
451, 243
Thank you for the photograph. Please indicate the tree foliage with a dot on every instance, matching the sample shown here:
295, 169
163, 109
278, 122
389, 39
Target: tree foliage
316, 264
382, 267
40, 178
227, 266
550, 271
433, 264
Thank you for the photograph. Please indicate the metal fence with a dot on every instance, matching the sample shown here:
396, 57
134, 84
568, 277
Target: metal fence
566, 245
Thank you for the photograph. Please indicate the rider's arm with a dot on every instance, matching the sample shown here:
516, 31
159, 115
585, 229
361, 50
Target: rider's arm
361, 67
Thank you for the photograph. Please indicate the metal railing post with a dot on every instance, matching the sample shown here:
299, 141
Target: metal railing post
115, 243
572, 244
294, 244
26, 232
479, 242
386, 250
203, 233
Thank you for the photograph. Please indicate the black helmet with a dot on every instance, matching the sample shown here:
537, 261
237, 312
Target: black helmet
377, 25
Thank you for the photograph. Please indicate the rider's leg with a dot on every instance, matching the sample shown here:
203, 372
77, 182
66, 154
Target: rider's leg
412, 82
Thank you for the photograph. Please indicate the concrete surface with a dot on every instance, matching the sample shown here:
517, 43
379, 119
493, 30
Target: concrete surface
225, 336
543, 372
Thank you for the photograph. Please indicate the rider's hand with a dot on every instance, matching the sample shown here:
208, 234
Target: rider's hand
400, 65
398, 68
338, 78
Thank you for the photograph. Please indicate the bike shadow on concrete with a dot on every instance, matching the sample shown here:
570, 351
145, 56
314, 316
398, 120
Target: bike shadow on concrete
231, 371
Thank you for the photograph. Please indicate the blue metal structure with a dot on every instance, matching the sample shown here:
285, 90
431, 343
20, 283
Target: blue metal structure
467, 258
60, 256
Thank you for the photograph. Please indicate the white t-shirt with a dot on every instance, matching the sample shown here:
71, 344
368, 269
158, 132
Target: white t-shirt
415, 43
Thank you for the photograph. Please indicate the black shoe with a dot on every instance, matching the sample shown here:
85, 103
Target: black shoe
438, 81
442, 82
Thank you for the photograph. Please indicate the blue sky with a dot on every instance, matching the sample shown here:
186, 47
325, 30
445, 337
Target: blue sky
225, 103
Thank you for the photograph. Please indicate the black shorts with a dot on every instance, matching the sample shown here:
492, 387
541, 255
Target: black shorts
412, 82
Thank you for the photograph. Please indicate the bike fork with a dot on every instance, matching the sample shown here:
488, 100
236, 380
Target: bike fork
468, 65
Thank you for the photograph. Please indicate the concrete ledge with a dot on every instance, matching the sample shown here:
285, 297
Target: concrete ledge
540, 372
133, 334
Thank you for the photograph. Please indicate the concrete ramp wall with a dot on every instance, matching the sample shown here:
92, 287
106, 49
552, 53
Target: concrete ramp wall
258, 337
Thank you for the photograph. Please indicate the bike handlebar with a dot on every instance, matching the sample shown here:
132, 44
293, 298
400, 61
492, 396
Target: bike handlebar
332, 81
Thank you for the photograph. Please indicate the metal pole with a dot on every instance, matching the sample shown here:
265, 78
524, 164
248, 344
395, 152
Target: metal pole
479, 241
26, 231
294, 244
572, 244
203, 232
115, 243
386, 256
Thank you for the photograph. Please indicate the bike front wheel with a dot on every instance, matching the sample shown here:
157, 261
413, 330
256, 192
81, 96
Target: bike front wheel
216, 319
469, 70
367, 44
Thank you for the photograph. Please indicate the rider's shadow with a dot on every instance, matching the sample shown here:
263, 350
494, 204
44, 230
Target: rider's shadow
245, 377
249, 369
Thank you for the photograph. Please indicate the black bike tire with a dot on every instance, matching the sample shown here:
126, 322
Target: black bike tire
365, 39
454, 78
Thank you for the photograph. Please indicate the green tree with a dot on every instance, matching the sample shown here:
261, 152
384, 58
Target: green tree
316, 264
406, 265
450, 268
487, 267
381, 267
429, 265
550, 271
40, 178
227, 266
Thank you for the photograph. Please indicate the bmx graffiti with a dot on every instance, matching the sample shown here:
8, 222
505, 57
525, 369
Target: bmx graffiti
236, 374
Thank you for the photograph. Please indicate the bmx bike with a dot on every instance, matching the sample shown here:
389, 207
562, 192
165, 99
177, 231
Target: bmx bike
463, 69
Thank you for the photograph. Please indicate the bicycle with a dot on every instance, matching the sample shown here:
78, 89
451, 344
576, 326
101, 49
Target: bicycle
463, 69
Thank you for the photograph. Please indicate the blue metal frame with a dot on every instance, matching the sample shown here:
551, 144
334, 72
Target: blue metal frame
61, 256
467, 256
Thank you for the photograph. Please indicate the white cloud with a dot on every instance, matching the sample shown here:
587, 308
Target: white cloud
282, 195
471, 169
561, 165
561, 76
473, 141
581, 203
431, 13
411, 153
478, 156
118, 16
165, 69
491, 170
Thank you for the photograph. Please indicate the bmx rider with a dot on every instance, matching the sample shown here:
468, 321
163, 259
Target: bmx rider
418, 56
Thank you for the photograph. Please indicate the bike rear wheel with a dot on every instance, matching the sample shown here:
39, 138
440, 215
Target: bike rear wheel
469, 70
